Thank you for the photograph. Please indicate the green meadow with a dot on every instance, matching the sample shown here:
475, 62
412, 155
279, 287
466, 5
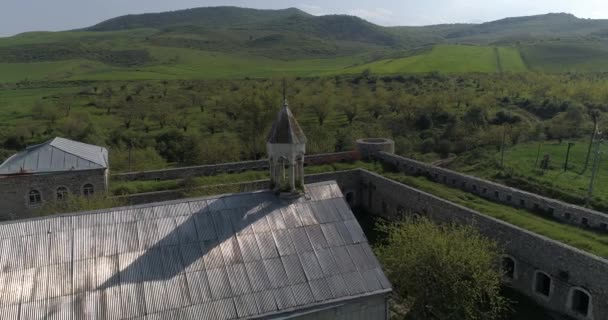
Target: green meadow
451, 59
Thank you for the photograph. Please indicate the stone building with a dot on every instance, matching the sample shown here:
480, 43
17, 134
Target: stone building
51, 171
251, 255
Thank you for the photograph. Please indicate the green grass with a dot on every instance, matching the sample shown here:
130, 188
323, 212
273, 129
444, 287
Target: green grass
521, 171
451, 59
585, 240
175, 63
566, 56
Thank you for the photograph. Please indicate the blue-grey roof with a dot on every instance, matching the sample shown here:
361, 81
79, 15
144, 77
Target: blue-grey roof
56, 155
224, 257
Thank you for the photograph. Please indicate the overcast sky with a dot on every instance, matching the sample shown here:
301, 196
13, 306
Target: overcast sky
18, 16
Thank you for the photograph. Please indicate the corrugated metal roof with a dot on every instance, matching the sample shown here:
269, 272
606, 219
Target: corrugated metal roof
56, 155
224, 257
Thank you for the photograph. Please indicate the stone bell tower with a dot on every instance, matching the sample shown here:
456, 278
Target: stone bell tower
286, 146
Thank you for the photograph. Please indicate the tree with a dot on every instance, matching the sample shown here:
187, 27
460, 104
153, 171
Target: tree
443, 272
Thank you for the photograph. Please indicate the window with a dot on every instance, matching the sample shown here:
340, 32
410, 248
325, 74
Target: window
509, 198
474, 188
542, 284
522, 202
350, 198
485, 190
62, 193
567, 215
497, 195
579, 301
508, 267
604, 226
585, 222
35, 197
88, 190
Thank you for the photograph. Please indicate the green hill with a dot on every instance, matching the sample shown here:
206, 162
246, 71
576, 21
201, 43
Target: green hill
239, 42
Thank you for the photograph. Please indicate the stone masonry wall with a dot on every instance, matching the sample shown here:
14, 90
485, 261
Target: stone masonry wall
347, 180
558, 210
197, 171
14, 190
568, 267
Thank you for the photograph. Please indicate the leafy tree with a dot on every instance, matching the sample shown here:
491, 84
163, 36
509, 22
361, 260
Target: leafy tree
443, 272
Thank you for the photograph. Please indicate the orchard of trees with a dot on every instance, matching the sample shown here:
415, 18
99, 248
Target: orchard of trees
154, 124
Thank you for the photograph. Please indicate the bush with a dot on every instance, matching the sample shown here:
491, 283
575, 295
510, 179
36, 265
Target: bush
443, 272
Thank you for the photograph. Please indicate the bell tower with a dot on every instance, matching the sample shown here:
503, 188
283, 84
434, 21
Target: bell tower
286, 146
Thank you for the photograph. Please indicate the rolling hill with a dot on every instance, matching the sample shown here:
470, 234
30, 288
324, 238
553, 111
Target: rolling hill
238, 42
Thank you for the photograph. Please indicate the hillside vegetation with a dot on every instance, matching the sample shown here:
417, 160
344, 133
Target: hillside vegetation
230, 42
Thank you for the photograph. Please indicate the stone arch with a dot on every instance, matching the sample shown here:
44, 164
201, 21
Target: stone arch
349, 196
34, 197
88, 190
543, 284
508, 265
580, 303
61, 193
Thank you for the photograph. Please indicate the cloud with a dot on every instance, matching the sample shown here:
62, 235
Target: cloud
376, 15
312, 9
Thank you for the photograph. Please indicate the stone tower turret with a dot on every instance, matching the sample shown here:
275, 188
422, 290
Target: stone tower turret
286, 146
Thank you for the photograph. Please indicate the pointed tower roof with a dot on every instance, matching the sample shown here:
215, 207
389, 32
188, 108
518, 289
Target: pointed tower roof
286, 129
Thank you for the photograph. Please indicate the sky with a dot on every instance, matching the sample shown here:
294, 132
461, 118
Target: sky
18, 16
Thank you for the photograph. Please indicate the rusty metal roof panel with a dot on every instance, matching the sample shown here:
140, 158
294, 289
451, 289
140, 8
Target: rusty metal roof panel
229, 256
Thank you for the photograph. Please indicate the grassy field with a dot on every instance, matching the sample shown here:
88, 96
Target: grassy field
175, 63
564, 56
520, 167
451, 59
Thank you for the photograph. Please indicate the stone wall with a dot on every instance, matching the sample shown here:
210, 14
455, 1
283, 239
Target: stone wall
555, 209
15, 189
347, 180
568, 267
209, 170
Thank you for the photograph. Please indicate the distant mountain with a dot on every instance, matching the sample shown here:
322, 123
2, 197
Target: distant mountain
547, 26
555, 41
209, 16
